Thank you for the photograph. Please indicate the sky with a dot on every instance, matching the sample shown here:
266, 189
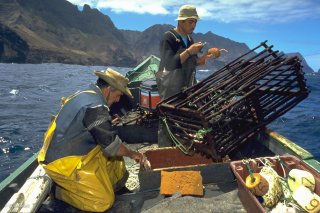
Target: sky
290, 25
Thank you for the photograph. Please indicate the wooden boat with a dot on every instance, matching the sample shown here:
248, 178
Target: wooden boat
267, 143
28, 188
143, 71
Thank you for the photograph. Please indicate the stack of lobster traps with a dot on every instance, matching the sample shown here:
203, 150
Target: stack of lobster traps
223, 111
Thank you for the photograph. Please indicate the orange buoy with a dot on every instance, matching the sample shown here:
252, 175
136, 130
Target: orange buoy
215, 51
258, 185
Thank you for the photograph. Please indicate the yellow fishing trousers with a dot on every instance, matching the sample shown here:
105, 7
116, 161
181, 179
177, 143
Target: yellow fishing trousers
86, 182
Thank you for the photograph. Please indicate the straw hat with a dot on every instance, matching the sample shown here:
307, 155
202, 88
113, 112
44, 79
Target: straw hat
115, 80
187, 11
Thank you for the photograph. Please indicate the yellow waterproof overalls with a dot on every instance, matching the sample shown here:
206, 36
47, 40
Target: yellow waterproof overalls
85, 182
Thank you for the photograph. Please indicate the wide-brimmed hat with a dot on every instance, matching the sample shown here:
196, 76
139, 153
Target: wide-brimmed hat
188, 11
115, 80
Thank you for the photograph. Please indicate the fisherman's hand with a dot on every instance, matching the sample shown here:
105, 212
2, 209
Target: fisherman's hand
195, 48
137, 156
141, 159
116, 119
202, 60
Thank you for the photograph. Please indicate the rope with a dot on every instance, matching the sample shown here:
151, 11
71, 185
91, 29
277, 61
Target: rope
247, 163
285, 165
200, 133
175, 140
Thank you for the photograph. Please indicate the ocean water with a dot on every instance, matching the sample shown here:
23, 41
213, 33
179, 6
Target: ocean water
30, 95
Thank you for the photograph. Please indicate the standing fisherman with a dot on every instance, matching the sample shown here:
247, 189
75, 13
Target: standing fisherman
178, 53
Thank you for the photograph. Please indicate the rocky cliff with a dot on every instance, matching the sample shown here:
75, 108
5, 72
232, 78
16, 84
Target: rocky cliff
306, 67
47, 31
147, 42
56, 31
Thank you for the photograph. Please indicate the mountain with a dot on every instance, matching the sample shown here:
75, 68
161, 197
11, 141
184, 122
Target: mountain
149, 40
306, 68
56, 31
235, 49
38, 31
47, 31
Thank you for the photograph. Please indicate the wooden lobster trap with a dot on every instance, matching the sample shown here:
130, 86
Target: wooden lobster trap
224, 110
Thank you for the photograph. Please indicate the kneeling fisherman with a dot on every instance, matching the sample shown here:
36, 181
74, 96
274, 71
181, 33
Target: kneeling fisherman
81, 152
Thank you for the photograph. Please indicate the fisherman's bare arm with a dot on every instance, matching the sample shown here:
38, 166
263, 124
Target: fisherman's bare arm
125, 151
190, 51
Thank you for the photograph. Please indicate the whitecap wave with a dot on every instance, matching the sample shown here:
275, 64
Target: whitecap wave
5, 150
2, 140
14, 92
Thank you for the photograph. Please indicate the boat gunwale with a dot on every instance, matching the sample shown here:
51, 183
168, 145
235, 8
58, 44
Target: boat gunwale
8, 187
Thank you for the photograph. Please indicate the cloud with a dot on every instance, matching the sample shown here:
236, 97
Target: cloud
246, 29
140, 7
218, 10
83, 2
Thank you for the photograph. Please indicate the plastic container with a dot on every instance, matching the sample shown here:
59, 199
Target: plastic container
249, 201
149, 95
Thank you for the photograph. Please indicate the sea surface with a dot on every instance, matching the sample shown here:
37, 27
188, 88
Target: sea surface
30, 94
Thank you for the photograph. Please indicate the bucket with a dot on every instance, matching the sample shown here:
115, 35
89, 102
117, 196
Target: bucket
149, 95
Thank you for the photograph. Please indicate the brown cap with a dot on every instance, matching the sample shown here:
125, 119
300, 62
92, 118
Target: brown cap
187, 11
115, 80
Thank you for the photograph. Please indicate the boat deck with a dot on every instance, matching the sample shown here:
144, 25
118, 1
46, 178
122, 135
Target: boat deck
220, 190
218, 197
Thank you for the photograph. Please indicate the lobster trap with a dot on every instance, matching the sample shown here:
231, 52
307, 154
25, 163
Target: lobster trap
227, 108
